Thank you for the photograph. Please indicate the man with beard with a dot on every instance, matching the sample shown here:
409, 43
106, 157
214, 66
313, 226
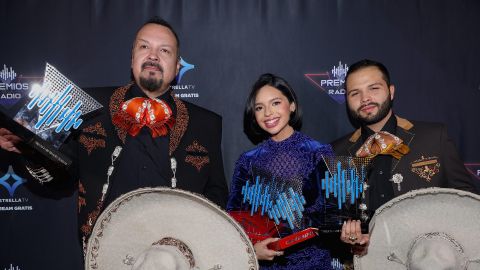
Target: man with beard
406, 155
145, 136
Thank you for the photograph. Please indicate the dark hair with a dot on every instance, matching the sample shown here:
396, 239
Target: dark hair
250, 126
369, 63
159, 21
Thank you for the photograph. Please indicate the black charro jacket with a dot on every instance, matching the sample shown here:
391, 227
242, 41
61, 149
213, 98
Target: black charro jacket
194, 141
433, 160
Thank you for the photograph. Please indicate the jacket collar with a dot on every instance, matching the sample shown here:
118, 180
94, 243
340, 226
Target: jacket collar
401, 122
404, 132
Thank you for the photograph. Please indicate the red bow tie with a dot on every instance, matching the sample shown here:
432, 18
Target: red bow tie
139, 112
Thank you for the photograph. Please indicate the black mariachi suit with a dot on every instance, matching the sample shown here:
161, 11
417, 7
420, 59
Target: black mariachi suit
194, 141
432, 161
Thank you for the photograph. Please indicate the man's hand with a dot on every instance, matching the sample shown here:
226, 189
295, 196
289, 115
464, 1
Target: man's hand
352, 234
8, 140
263, 252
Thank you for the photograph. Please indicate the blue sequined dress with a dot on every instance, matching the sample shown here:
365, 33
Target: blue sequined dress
294, 162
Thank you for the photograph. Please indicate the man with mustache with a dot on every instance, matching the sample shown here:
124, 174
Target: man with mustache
406, 155
144, 136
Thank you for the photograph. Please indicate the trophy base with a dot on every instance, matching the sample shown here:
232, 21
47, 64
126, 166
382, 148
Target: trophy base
336, 226
293, 239
33, 147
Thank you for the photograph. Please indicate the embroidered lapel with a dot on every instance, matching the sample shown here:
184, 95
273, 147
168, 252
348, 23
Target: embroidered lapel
181, 124
404, 133
116, 99
356, 143
352, 150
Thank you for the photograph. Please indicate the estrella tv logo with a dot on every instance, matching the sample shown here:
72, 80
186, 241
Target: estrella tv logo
474, 169
183, 69
179, 86
331, 82
11, 87
11, 181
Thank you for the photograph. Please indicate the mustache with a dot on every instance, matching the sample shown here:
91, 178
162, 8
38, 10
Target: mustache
368, 104
152, 64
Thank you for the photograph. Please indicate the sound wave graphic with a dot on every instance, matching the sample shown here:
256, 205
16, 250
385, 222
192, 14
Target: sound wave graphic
344, 182
278, 205
12, 268
7, 75
340, 71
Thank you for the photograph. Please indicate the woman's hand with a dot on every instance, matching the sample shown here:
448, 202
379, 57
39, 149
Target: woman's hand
263, 252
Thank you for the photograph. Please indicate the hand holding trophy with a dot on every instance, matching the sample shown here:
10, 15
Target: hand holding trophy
40, 124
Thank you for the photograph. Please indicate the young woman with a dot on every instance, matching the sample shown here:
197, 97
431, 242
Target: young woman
285, 160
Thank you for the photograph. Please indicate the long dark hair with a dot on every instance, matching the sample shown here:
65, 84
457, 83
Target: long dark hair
250, 126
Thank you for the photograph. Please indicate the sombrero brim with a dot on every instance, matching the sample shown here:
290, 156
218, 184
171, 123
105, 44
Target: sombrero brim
139, 218
397, 224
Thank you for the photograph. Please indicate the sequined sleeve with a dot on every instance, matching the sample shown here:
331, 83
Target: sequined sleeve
240, 176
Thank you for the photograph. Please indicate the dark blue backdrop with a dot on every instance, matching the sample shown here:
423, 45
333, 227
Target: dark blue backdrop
431, 48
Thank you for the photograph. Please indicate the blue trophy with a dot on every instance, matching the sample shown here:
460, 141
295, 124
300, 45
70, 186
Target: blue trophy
48, 116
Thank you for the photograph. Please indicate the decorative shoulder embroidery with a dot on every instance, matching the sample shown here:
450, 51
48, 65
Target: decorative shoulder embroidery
81, 199
196, 147
81, 203
88, 137
197, 161
115, 101
181, 123
91, 219
197, 155
426, 167
91, 143
81, 189
95, 129
87, 228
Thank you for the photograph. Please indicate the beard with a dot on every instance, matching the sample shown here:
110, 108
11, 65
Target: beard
383, 110
151, 84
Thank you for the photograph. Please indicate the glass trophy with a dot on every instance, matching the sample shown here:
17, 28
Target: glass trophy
297, 212
343, 188
45, 119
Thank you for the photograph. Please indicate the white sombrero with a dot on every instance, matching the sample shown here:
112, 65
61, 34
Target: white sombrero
163, 228
434, 228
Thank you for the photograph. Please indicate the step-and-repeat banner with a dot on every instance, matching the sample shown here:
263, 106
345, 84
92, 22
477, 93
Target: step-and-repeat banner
430, 47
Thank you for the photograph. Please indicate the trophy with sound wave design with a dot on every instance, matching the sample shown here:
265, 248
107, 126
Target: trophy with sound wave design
344, 189
286, 208
47, 117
